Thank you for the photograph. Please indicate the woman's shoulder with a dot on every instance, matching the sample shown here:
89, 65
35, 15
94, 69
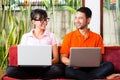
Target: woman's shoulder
28, 34
49, 33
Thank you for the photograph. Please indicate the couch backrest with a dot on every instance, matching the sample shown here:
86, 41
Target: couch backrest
112, 54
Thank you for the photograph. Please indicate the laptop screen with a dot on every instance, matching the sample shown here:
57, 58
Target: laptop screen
85, 56
32, 55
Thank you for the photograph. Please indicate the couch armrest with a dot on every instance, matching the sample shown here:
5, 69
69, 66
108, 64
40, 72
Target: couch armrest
13, 56
112, 54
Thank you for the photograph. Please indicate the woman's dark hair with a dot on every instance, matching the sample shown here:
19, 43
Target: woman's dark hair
85, 10
42, 14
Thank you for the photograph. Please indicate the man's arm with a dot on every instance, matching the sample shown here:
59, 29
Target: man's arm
64, 58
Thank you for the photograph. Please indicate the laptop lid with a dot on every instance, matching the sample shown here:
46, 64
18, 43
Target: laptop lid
34, 55
85, 56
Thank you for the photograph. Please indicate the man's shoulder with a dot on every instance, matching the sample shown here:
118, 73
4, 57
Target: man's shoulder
95, 34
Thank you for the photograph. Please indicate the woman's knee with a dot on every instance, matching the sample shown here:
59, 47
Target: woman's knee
11, 71
58, 69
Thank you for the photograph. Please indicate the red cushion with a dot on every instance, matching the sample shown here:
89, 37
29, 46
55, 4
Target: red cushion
112, 54
9, 78
13, 56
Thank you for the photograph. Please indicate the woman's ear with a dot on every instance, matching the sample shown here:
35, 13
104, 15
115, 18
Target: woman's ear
32, 21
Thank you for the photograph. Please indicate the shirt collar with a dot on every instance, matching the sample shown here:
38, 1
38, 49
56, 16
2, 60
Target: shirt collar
32, 35
80, 35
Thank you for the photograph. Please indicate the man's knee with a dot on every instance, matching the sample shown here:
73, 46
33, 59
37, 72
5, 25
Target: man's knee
108, 66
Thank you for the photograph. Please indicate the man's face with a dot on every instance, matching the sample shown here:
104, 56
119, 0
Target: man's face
81, 21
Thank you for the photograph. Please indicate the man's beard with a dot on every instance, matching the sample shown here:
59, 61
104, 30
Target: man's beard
82, 27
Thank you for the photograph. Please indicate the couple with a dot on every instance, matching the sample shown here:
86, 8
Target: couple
81, 37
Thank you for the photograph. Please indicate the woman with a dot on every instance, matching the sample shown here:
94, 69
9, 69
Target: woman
39, 36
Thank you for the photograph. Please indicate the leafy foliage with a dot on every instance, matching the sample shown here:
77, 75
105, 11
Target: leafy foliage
11, 30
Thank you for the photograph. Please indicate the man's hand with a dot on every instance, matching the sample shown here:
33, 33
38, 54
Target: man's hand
65, 59
76, 67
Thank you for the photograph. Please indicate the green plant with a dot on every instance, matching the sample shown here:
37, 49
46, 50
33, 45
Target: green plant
118, 18
12, 28
113, 11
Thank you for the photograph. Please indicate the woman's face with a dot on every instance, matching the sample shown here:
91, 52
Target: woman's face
40, 24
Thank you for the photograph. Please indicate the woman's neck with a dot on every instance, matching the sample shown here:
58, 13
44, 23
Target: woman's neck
38, 33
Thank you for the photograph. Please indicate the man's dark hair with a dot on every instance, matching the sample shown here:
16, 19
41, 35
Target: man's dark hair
40, 12
85, 10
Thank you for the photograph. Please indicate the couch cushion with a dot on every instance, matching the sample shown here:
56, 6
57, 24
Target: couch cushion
9, 78
112, 54
13, 56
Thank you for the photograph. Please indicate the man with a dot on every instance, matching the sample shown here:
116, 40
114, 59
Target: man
83, 37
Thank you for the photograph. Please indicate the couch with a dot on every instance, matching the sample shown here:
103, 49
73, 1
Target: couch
112, 54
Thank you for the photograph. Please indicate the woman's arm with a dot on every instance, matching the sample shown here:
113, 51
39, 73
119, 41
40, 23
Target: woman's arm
55, 54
